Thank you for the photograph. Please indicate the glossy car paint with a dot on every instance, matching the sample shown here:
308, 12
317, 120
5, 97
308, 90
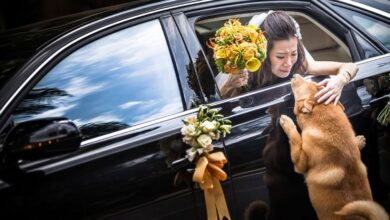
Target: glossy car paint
128, 173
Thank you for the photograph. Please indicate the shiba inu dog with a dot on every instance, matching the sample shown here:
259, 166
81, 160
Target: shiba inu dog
327, 153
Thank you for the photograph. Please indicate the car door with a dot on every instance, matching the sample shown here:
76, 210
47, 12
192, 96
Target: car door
370, 28
258, 151
128, 97
253, 115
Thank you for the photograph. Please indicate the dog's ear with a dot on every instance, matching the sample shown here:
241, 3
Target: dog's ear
307, 106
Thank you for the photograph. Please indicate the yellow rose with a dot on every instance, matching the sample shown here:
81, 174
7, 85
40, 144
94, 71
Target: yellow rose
231, 54
238, 36
252, 26
220, 54
243, 45
253, 64
223, 33
253, 36
263, 45
248, 54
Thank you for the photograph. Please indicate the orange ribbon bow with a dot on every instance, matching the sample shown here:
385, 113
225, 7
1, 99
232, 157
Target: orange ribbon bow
208, 173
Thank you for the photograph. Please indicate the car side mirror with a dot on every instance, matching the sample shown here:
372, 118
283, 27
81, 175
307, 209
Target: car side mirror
40, 138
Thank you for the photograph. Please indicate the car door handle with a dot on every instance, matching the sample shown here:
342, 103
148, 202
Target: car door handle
378, 101
181, 163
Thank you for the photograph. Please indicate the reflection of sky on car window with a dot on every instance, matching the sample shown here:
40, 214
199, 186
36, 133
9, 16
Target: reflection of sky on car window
124, 77
376, 28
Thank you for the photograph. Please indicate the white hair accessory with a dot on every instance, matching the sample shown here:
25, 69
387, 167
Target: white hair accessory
297, 29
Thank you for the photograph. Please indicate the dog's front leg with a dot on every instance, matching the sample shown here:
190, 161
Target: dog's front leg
298, 156
360, 141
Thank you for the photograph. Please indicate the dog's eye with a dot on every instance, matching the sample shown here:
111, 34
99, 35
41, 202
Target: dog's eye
305, 110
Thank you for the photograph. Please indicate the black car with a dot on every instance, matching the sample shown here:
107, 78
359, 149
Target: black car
91, 109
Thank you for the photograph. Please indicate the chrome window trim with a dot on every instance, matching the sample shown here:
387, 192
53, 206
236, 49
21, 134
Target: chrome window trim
55, 54
373, 58
135, 127
366, 7
361, 75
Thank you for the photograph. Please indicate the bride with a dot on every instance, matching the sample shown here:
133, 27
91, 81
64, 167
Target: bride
285, 57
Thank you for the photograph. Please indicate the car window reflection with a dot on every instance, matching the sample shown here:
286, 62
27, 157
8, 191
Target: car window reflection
115, 82
376, 28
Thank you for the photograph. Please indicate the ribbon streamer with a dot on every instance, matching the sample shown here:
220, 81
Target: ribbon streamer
208, 173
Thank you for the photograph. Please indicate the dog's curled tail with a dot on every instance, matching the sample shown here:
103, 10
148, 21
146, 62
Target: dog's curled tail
364, 208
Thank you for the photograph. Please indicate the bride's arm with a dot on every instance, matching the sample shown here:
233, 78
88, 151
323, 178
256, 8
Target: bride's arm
333, 86
332, 68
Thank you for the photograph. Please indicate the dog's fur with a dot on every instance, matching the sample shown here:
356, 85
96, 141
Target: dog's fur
288, 195
327, 152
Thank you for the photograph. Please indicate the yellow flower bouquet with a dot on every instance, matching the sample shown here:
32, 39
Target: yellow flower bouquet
237, 47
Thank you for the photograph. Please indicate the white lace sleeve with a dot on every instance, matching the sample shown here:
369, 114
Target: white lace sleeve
220, 79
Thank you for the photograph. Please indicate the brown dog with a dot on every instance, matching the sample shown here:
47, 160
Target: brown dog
327, 152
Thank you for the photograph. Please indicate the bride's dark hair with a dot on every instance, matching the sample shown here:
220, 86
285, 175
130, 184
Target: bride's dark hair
277, 26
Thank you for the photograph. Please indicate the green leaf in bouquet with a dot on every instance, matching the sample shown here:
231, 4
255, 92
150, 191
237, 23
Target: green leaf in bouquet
193, 103
241, 63
262, 55
213, 111
218, 32
229, 39
222, 43
226, 128
219, 116
227, 121
238, 58
200, 114
185, 122
384, 116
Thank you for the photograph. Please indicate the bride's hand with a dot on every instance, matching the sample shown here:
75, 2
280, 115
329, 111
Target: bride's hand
331, 90
238, 80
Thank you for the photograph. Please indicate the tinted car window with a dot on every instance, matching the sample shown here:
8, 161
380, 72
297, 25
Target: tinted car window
112, 83
367, 50
376, 28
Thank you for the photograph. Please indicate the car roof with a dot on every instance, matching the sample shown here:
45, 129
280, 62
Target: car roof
19, 44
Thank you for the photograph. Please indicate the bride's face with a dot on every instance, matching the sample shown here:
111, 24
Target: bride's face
283, 56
